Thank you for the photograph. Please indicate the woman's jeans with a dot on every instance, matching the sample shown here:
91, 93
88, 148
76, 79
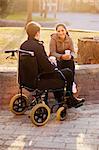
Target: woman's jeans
62, 64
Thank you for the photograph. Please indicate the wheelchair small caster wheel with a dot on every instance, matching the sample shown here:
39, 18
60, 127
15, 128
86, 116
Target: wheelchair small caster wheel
40, 114
18, 104
61, 114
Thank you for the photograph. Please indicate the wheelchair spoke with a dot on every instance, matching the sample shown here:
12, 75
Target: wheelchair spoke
19, 105
63, 113
41, 115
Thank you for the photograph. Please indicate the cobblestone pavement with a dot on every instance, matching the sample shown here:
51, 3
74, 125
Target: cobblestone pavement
80, 131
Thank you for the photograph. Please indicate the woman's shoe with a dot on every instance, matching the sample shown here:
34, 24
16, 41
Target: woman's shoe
75, 102
80, 99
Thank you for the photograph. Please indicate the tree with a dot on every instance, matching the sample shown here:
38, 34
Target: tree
29, 10
44, 8
73, 5
3, 7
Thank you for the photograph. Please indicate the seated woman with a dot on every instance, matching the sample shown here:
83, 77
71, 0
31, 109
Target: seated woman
44, 65
61, 46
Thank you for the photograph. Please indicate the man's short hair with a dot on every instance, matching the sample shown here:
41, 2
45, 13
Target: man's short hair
32, 28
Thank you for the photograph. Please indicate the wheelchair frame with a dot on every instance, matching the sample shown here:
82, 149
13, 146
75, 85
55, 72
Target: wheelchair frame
40, 112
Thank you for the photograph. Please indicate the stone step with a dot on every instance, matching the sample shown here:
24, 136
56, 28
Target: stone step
87, 77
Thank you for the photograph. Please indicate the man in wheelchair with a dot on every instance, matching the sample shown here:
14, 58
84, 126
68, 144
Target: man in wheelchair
50, 76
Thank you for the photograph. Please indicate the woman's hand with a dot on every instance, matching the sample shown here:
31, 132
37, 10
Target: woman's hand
66, 57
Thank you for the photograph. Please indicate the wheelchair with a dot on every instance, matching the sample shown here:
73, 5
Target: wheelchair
39, 85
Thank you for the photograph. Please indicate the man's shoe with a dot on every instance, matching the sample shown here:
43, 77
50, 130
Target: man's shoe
75, 102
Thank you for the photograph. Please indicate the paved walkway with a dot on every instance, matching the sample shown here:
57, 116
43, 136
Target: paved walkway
75, 20
80, 131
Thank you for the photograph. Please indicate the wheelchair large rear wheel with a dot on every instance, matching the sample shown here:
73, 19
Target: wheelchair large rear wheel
18, 104
61, 114
40, 114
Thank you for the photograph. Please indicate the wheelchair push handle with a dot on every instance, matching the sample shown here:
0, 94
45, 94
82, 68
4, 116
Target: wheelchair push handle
27, 52
12, 53
20, 50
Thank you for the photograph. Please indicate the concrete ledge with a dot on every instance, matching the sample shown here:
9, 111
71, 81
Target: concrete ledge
87, 77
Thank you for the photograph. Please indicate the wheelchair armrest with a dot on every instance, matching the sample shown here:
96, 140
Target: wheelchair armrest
45, 73
56, 70
62, 75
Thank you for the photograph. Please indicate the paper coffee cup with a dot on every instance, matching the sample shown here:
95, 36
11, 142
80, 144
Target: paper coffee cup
67, 52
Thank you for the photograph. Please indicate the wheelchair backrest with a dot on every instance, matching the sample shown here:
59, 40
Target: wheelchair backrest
27, 69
